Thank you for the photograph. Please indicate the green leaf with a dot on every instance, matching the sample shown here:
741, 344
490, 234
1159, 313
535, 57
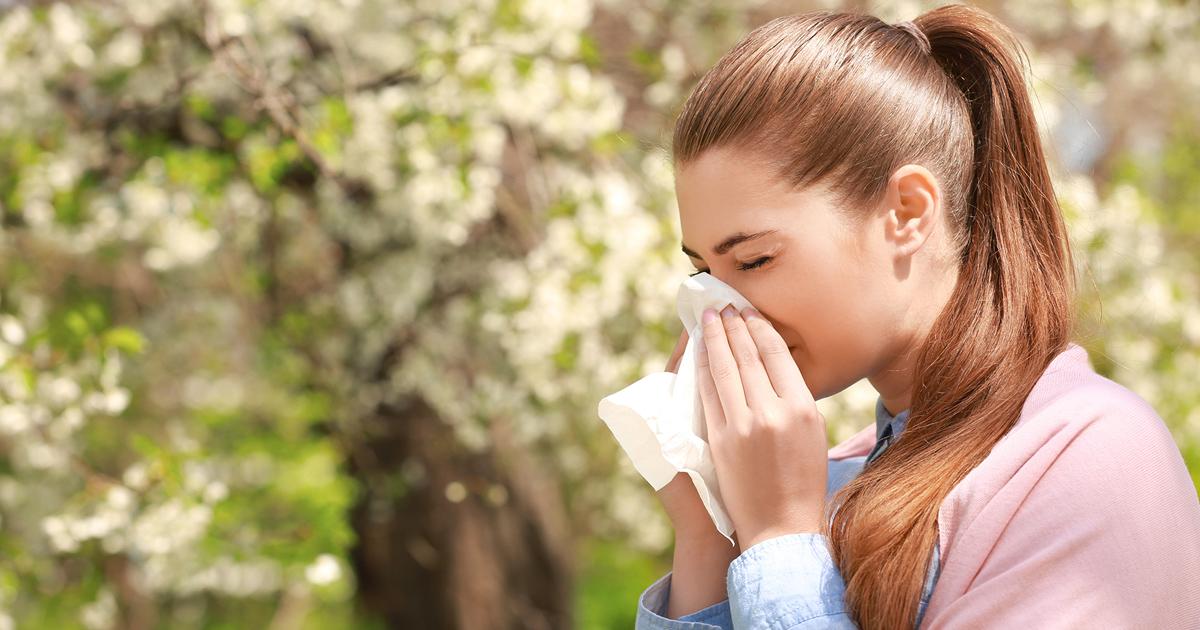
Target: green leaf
125, 339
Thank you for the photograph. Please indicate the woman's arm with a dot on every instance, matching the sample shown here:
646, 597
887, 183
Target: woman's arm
702, 554
692, 595
790, 580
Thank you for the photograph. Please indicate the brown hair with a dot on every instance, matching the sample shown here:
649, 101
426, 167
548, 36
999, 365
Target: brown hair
843, 100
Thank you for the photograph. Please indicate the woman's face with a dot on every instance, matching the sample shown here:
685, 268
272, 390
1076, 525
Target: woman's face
838, 294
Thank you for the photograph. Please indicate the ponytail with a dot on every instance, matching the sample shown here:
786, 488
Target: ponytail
1008, 316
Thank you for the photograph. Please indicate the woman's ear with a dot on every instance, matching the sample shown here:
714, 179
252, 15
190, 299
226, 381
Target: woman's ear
913, 208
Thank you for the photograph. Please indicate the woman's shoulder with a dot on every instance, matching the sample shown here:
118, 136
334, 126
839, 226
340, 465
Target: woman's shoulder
1071, 399
1086, 503
1083, 441
1099, 437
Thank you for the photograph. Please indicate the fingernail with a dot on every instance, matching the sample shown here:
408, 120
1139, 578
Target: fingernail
728, 312
709, 315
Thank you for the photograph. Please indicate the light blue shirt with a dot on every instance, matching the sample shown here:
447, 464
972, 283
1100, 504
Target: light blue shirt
788, 582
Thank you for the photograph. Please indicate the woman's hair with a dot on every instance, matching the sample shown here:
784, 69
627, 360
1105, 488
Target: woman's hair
843, 100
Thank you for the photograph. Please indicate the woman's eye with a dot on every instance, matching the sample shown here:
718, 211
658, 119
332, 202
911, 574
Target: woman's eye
746, 267
756, 264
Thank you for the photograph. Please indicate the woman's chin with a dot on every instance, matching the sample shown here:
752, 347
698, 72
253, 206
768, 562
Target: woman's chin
817, 381
810, 378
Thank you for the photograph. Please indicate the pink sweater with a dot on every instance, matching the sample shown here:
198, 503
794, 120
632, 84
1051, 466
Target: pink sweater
1083, 515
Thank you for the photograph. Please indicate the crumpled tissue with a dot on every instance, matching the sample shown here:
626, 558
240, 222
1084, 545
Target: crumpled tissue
659, 419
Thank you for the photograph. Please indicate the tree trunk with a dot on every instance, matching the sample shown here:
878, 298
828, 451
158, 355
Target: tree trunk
499, 557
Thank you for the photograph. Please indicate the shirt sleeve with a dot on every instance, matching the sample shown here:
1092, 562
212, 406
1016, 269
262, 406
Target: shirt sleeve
652, 611
788, 582
784, 583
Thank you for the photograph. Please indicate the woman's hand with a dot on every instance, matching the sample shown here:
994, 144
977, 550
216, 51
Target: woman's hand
767, 438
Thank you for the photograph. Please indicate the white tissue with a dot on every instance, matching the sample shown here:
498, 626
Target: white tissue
659, 419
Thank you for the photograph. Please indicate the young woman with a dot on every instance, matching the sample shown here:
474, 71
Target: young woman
879, 192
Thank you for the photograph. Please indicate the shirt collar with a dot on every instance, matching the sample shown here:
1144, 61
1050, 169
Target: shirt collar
883, 418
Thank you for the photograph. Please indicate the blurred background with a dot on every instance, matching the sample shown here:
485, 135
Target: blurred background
306, 305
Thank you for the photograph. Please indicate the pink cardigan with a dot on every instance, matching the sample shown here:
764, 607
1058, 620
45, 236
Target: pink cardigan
1083, 515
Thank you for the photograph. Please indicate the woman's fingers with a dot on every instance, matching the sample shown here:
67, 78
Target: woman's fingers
723, 367
714, 415
781, 368
755, 382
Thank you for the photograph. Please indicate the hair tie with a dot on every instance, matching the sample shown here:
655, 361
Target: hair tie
915, 31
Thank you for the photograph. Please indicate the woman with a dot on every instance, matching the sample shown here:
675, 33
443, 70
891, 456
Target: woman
880, 193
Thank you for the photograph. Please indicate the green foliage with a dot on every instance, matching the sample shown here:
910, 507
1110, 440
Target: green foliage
612, 577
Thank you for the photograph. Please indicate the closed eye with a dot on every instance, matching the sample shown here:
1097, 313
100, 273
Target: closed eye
745, 267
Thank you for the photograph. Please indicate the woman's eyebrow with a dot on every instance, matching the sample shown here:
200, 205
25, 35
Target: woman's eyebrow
727, 244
